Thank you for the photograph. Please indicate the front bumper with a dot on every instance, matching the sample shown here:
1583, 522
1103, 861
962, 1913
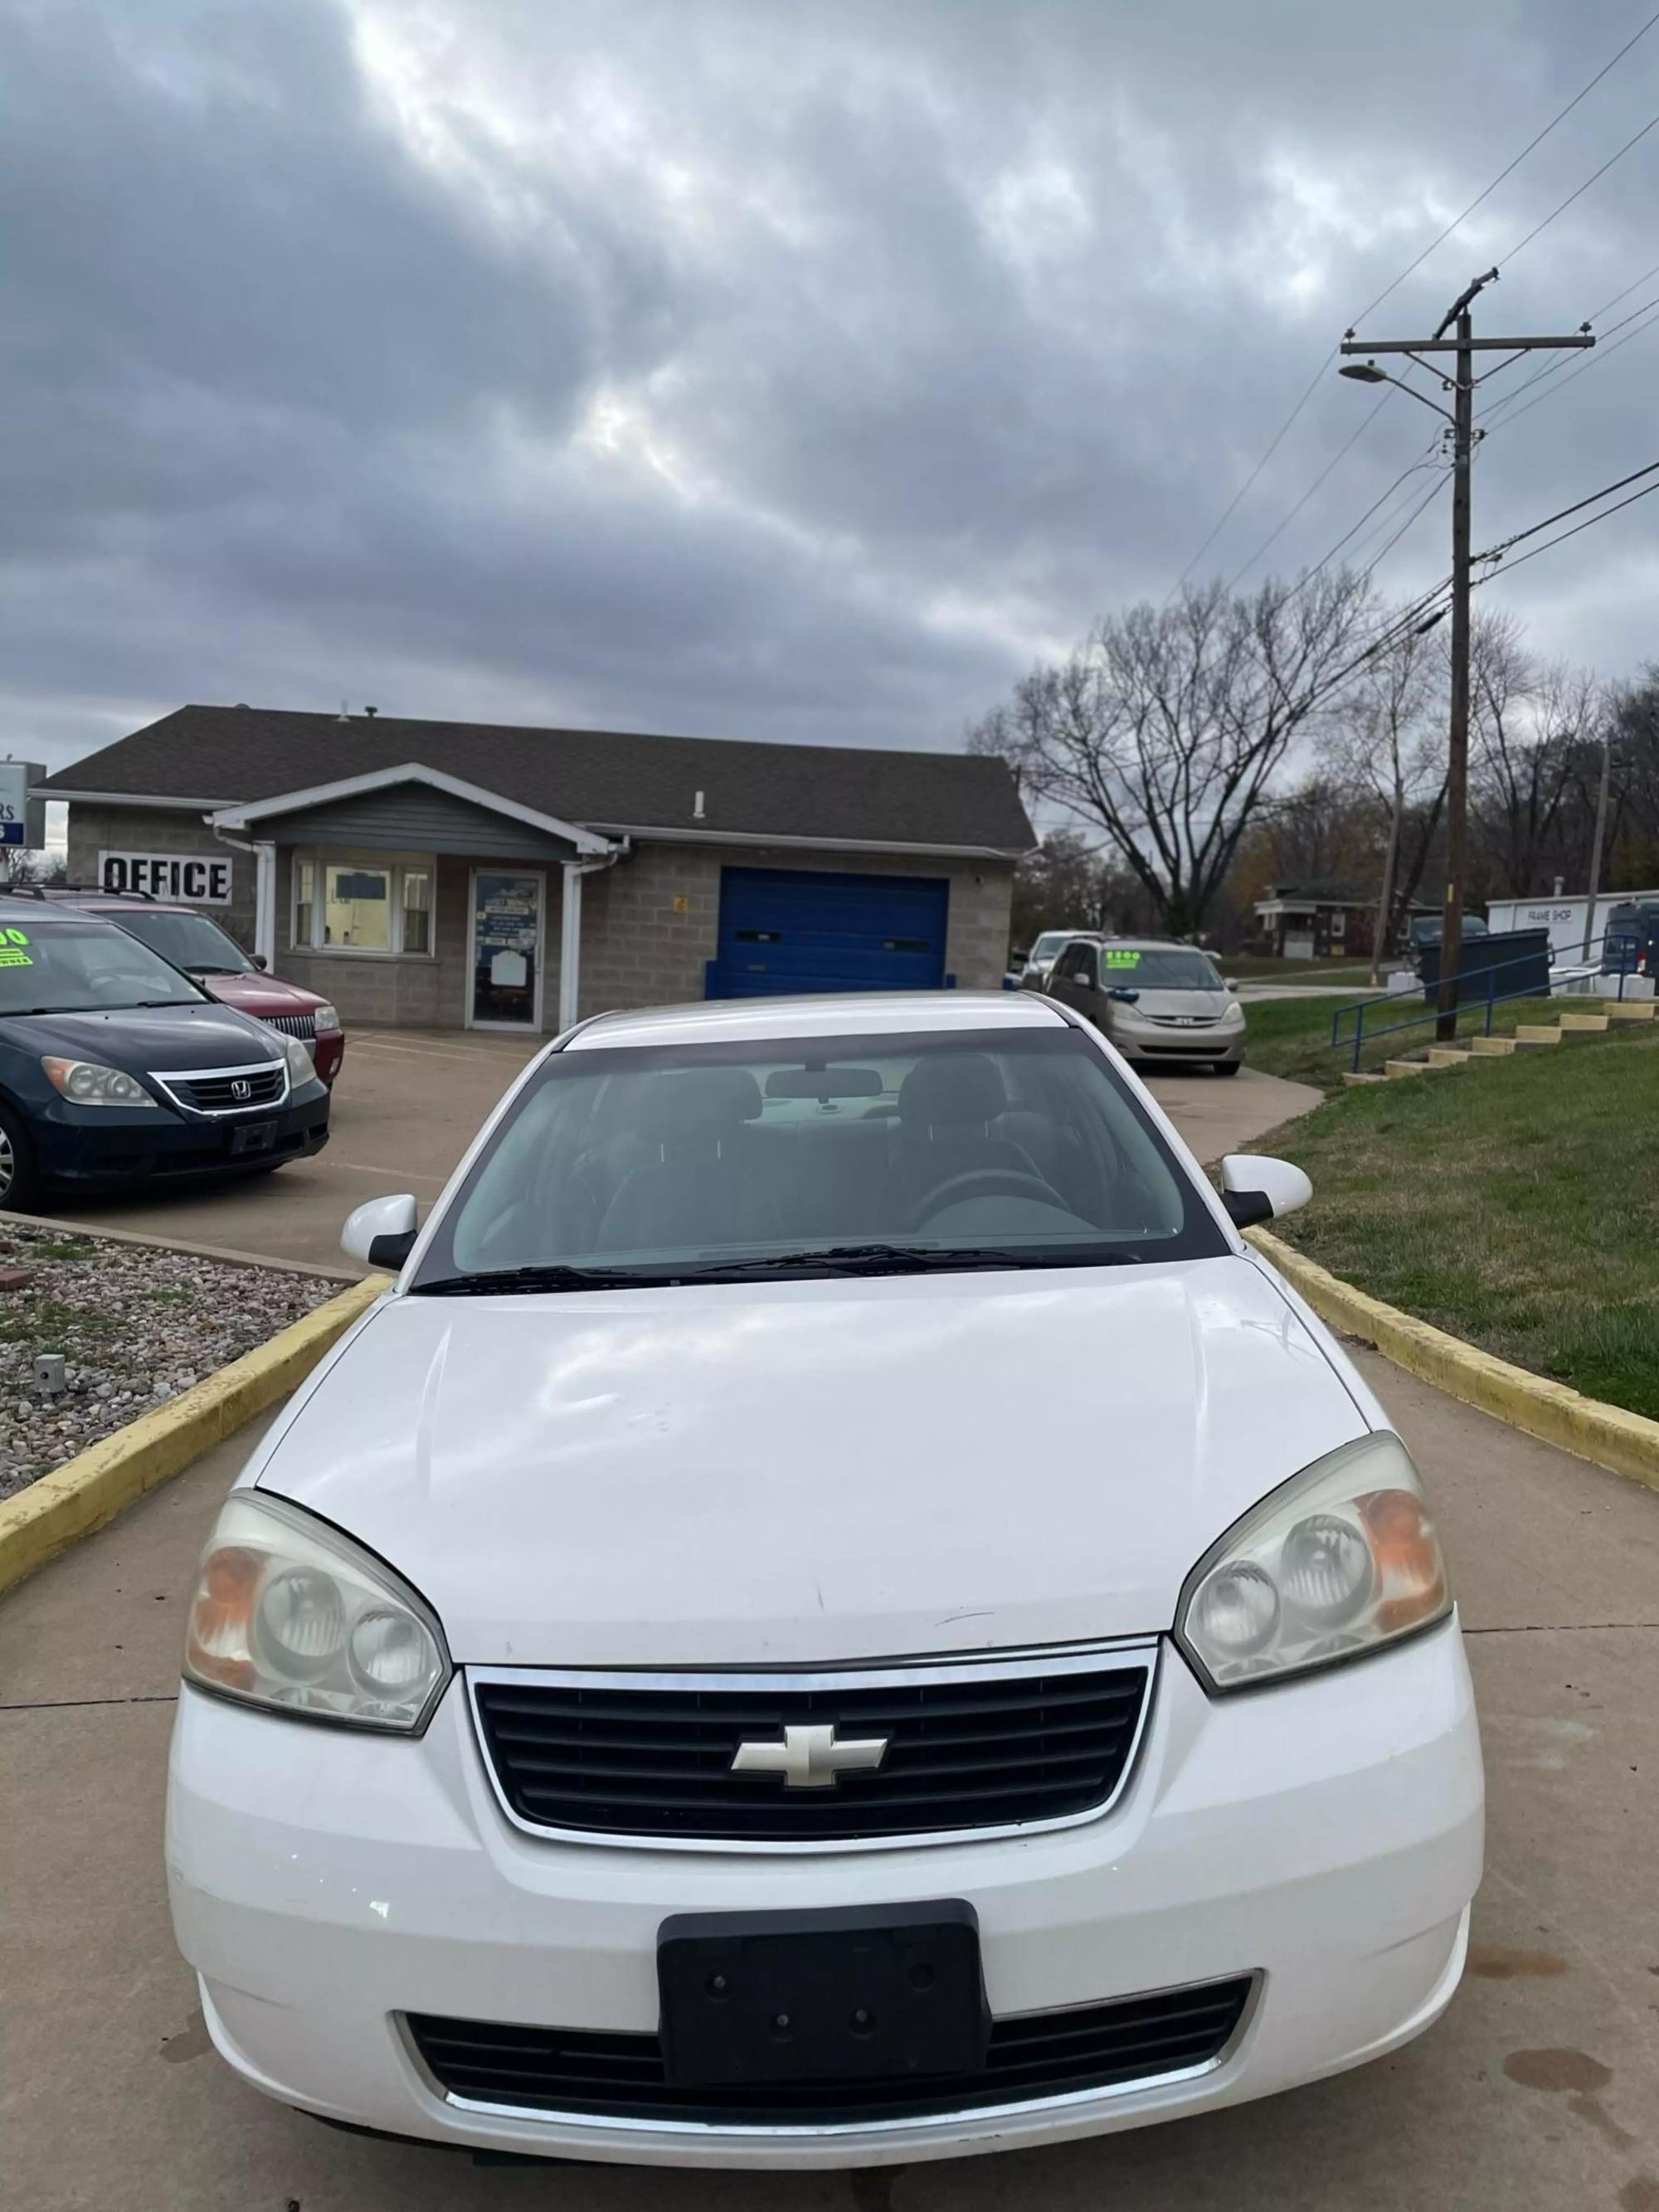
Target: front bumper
92, 1145
1324, 1837
1151, 1042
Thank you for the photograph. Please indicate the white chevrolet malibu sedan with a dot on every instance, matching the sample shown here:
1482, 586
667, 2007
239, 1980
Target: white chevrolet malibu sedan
836, 1614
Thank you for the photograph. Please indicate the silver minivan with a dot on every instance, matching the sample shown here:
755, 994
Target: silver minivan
1157, 1001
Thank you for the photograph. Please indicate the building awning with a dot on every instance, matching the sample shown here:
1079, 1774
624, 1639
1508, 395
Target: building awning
416, 807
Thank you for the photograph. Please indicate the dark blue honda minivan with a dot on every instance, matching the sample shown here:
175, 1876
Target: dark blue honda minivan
115, 1067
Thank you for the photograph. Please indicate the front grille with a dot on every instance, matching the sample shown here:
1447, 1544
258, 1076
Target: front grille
1182, 1021
1035, 2055
229, 1090
299, 1025
983, 1748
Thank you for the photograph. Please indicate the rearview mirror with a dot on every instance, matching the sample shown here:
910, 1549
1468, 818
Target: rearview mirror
381, 1231
1256, 1189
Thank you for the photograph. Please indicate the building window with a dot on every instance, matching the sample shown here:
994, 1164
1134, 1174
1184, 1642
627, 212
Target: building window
417, 910
362, 903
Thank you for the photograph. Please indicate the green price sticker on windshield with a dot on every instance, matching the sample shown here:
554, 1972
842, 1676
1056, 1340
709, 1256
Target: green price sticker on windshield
1122, 959
11, 955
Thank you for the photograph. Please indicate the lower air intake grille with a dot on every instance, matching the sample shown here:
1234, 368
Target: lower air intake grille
1048, 2054
970, 1747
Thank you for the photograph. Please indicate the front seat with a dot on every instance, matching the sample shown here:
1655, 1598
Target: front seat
946, 1104
696, 1190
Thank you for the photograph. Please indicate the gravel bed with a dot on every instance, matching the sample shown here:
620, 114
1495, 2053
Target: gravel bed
135, 1325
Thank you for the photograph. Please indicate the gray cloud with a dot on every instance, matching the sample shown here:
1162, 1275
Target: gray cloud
767, 369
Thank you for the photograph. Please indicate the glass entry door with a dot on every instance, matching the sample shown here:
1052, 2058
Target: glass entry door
505, 972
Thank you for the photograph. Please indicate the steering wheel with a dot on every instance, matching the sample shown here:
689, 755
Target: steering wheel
983, 1183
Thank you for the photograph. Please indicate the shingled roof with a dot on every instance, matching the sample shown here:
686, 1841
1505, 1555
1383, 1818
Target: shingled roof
602, 779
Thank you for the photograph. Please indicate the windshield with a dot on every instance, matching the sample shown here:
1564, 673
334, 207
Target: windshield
1048, 943
1006, 1148
190, 941
1141, 969
82, 967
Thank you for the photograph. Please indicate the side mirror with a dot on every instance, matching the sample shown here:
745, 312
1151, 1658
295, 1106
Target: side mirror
1256, 1189
381, 1232
1233, 987
1122, 992
261, 963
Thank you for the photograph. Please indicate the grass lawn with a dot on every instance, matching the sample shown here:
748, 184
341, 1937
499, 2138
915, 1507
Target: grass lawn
1292, 1037
1512, 1205
1262, 968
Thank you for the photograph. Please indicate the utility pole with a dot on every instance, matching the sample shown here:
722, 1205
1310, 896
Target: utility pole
1600, 831
1462, 385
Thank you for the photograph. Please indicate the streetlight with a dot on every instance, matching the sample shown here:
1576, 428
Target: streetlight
1367, 372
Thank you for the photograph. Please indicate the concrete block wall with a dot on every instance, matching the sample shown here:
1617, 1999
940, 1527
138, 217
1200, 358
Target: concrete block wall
651, 923
96, 829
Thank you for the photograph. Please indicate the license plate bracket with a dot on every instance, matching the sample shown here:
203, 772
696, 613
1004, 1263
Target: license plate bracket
890, 1992
252, 1137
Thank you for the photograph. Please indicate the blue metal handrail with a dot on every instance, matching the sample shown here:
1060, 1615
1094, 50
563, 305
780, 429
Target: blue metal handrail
1629, 951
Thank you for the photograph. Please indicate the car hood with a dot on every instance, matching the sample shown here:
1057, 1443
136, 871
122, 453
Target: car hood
801, 1472
262, 996
1205, 1006
199, 1034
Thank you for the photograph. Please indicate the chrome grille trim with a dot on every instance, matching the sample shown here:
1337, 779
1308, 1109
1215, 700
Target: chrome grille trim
972, 1667
258, 1072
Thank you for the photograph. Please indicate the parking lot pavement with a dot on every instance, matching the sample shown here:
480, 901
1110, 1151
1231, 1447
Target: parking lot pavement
1538, 2091
405, 1109
411, 1101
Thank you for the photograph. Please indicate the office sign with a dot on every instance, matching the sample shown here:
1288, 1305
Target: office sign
185, 876
22, 819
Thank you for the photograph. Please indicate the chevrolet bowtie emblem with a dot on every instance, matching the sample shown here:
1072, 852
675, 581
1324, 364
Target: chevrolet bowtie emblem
810, 1757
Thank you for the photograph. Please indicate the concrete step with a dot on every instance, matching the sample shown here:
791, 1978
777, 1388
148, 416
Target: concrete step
1447, 1056
1350, 1078
1486, 1048
1572, 1022
1535, 1033
1629, 1010
1396, 1067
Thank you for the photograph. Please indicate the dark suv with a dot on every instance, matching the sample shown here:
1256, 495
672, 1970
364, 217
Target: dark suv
1630, 947
115, 1067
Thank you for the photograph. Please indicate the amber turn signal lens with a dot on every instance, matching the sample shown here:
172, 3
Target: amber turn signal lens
222, 1616
1411, 1574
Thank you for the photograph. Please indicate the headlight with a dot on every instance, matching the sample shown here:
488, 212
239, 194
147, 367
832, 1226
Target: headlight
290, 1615
301, 1068
1338, 1561
90, 1084
1234, 1016
326, 1019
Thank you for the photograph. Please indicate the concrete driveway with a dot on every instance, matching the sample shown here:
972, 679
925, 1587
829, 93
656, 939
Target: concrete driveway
1539, 2091
411, 1101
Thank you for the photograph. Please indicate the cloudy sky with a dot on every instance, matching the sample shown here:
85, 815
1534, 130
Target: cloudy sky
761, 367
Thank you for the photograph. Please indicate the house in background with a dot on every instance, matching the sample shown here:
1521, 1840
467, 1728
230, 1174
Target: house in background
1318, 921
460, 874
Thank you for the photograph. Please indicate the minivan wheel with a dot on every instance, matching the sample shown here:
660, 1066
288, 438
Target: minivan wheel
20, 1184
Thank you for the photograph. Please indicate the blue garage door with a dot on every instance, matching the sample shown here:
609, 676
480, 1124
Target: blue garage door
784, 929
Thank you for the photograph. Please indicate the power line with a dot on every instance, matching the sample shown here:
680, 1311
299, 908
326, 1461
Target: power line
1408, 472
1558, 362
1584, 368
1432, 494
1496, 552
1502, 173
1626, 294
1583, 189
1340, 455
1561, 537
1278, 440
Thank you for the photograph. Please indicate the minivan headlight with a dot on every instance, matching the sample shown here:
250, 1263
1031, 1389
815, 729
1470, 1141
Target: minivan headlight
88, 1083
290, 1615
1338, 1561
301, 1068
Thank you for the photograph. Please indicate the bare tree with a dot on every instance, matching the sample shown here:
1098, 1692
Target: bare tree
1391, 743
1165, 728
1531, 725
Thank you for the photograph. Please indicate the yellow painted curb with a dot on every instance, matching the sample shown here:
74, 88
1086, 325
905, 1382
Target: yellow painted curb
1626, 1442
86, 1492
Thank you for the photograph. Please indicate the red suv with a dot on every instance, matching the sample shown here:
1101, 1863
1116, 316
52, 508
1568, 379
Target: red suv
191, 940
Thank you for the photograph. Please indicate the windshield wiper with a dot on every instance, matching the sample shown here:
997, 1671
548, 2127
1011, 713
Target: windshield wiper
489, 1282
900, 1260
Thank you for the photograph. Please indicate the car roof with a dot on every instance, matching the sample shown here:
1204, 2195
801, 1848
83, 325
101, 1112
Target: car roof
850, 1014
1142, 944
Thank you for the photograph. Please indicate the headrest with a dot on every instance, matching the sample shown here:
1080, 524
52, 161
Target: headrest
696, 1099
948, 1089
